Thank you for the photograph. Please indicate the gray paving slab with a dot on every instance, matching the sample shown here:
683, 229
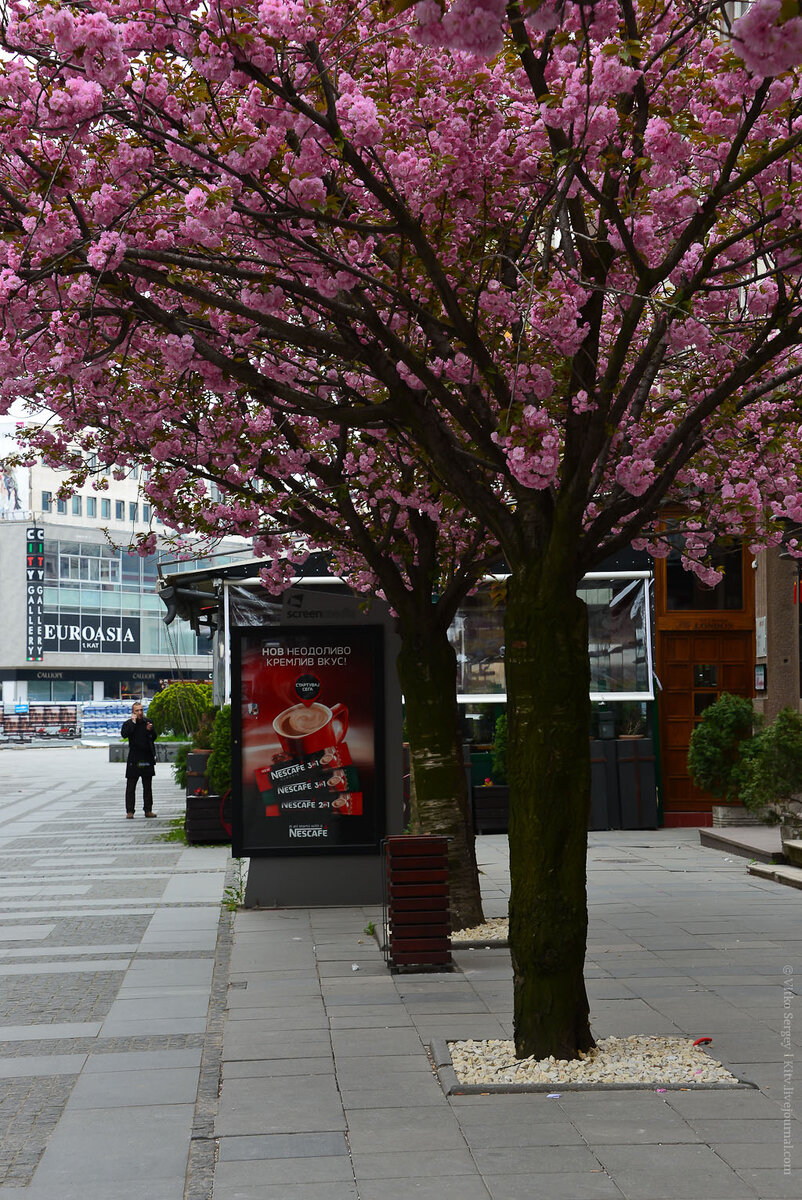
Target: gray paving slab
286, 1191
120, 1027
232, 1177
110, 1147
772, 1184
168, 973
124, 1089
24, 933
87, 966
289, 1105
250, 1040
39, 1064
766, 1131
369, 1070
82, 1189
375, 1042
535, 1160
517, 1135
293, 1146
396, 1091
290, 1019
265, 1068
752, 1105
389, 1129
425, 1187
167, 1007
400, 1164
653, 1172
595, 1185
665, 1129
140, 1060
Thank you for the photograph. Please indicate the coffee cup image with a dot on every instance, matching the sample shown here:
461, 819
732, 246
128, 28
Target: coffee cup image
307, 728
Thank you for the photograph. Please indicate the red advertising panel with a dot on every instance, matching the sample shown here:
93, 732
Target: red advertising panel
308, 710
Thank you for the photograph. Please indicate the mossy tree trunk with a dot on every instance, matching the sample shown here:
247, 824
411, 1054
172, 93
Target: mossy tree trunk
548, 683
427, 670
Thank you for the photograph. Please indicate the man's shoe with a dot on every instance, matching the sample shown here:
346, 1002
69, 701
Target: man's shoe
129, 816
150, 814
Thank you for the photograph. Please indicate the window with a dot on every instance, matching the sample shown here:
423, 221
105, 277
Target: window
133, 511
131, 572
105, 509
61, 506
110, 570
39, 690
76, 506
91, 506
145, 512
47, 501
684, 592
119, 510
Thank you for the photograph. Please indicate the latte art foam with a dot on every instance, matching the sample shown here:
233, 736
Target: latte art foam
301, 720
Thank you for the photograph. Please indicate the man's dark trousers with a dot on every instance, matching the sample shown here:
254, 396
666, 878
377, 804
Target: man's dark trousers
147, 791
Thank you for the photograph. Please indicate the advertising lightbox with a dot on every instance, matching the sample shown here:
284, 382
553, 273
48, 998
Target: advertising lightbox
307, 717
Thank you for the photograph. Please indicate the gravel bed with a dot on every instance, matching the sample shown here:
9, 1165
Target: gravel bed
494, 930
631, 1060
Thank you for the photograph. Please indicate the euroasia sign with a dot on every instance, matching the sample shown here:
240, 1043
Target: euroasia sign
70, 633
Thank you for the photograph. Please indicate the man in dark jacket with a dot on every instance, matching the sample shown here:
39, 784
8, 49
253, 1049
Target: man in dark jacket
141, 760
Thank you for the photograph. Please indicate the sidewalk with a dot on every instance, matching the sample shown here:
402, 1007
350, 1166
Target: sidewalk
326, 1088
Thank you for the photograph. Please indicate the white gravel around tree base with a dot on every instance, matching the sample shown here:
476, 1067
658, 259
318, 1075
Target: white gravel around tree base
634, 1060
495, 930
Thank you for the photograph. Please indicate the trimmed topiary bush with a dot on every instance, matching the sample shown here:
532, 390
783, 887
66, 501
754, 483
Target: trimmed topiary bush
218, 771
180, 767
499, 752
717, 744
770, 773
179, 707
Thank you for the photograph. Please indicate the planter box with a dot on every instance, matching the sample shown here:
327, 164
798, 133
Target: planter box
491, 808
197, 762
727, 815
203, 823
605, 808
417, 904
637, 792
166, 752
623, 793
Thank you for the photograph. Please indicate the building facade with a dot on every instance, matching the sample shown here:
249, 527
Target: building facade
82, 621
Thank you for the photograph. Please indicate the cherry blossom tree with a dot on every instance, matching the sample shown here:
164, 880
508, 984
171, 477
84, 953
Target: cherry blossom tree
300, 487
554, 253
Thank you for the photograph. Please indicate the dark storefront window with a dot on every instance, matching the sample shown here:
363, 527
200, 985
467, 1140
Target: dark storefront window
686, 593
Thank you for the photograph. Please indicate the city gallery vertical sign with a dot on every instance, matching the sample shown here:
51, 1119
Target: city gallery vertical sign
34, 592
308, 720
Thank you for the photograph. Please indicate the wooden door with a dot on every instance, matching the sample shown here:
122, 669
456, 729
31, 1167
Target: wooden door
695, 667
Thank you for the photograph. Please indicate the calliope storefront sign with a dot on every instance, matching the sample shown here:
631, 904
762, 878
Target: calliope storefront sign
71, 633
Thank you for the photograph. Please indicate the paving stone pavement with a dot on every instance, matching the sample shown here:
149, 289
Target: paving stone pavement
271, 1056
108, 936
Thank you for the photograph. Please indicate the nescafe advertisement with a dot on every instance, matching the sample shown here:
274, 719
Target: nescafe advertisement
310, 738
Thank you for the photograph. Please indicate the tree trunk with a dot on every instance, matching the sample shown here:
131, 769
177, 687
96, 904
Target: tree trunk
427, 670
548, 683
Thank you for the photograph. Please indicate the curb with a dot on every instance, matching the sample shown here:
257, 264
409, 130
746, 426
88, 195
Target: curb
441, 1057
203, 1143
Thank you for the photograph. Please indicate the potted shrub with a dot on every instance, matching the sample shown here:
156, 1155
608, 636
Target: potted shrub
715, 749
762, 769
491, 799
769, 776
206, 793
178, 708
